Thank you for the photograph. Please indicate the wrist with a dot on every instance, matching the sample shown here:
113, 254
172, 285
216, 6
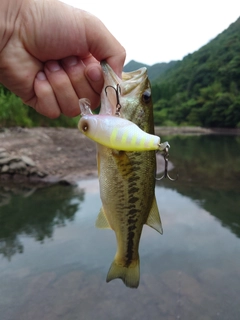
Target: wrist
9, 10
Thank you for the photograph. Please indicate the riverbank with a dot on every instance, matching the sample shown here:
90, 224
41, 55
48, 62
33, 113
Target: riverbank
62, 155
195, 131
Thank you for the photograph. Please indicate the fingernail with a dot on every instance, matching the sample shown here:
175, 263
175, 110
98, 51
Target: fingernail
53, 66
70, 61
41, 76
94, 74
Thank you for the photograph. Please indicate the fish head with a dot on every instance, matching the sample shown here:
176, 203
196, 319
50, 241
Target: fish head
132, 93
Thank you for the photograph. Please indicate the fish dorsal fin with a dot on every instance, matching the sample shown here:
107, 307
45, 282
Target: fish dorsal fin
102, 222
154, 220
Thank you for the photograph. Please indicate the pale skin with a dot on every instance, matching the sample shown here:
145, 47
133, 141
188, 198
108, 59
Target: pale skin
50, 54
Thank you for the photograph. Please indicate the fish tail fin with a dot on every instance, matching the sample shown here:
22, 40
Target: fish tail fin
130, 275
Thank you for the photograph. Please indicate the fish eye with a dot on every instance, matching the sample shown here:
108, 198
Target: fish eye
146, 97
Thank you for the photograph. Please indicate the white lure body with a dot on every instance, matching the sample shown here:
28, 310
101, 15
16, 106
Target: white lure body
118, 133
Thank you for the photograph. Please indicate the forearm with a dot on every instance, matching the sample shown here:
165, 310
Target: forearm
9, 10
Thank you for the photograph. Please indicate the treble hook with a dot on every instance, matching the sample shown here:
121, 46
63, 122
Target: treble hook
118, 91
166, 175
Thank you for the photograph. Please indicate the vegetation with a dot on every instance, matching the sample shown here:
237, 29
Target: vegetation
201, 90
204, 88
14, 113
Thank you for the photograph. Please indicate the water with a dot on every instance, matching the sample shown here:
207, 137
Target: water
53, 261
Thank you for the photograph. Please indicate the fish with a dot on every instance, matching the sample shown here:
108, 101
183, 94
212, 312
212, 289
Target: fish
115, 132
127, 178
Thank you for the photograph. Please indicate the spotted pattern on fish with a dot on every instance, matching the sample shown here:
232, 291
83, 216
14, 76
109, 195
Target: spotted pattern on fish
132, 213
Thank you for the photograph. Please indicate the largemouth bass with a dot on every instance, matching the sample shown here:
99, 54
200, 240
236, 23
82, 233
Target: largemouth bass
127, 179
126, 174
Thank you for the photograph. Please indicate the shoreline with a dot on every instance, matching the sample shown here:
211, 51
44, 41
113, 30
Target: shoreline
195, 130
63, 155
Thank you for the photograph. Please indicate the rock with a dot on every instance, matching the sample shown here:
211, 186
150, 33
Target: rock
4, 155
28, 161
32, 170
41, 174
9, 160
5, 161
5, 169
15, 158
17, 166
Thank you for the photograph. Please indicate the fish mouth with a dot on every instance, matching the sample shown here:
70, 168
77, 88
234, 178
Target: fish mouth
129, 81
131, 84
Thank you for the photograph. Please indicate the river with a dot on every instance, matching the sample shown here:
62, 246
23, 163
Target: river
54, 262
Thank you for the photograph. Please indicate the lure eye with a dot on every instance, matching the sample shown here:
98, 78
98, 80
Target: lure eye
146, 97
84, 126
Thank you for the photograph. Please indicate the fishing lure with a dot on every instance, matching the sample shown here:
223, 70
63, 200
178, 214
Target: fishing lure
115, 132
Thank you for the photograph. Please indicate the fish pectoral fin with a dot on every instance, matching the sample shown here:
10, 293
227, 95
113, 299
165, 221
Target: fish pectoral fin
154, 220
102, 222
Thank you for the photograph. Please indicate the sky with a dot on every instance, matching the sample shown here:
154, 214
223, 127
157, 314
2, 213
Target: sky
155, 31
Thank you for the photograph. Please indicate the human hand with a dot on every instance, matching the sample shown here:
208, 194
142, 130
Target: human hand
50, 53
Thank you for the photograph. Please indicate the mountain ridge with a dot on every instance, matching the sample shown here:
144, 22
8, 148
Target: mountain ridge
154, 71
203, 89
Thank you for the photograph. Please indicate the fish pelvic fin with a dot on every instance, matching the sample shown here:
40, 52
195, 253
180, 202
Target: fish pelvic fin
102, 222
154, 220
130, 275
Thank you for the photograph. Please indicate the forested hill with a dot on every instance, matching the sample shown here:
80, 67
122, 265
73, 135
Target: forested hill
154, 71
204, 88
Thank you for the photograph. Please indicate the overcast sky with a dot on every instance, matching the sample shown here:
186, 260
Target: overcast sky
160, 31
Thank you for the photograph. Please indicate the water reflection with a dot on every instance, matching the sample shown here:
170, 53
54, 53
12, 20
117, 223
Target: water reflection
190, 272
209, 161
209, 169
34, 213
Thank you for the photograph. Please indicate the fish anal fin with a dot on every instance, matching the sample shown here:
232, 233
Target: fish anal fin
102, 222
154, 220
130, 275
